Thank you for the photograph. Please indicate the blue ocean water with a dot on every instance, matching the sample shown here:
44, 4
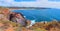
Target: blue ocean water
41, 14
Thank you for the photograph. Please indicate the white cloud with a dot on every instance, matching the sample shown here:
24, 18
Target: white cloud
38, 3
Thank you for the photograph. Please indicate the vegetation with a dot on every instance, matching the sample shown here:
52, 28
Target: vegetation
9, 26
6, 25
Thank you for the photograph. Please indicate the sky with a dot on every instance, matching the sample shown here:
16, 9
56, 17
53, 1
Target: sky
30, 3
54, 0
23, 0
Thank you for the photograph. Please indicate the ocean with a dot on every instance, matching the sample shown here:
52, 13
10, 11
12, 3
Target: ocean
40, 14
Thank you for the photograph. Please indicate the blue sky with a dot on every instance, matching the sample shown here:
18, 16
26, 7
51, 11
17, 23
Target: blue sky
30, 3
23, 0
54, 0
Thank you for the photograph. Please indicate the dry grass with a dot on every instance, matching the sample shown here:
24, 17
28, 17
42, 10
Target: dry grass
6, 25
